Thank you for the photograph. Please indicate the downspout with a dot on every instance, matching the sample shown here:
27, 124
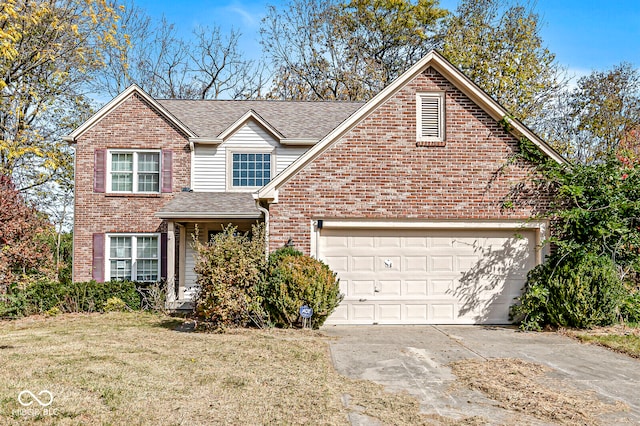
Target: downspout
266, 229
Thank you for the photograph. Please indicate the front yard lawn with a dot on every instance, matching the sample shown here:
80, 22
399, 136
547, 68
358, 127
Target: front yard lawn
136, 368
625, 340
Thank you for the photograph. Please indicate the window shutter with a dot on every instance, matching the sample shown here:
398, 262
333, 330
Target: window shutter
163, 256
167, 170
430, 110
97, 272
100, 170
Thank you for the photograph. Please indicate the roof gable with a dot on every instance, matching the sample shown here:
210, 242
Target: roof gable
116, 102
448, 71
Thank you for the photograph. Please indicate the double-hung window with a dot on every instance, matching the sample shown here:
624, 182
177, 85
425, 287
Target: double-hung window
430, 116
134, 171
133, 257
249, 169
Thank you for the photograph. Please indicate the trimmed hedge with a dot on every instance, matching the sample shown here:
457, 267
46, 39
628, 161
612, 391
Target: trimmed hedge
90, 296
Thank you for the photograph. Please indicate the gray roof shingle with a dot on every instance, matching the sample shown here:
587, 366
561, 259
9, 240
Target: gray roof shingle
293, 119
206, 205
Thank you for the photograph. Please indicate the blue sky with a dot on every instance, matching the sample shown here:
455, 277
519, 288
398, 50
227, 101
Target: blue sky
585, 35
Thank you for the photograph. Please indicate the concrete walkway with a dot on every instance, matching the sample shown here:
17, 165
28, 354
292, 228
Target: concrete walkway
414, 358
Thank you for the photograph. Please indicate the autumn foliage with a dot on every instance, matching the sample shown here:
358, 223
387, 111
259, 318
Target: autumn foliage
25, 256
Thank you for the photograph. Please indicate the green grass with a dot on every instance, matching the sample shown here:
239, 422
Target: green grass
625, 343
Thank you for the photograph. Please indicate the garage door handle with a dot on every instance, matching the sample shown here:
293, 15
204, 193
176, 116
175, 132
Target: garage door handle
362, 300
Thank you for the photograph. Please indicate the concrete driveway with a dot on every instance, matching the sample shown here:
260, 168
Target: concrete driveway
414, 358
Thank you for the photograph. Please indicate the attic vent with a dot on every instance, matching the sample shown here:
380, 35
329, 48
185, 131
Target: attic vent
430, 116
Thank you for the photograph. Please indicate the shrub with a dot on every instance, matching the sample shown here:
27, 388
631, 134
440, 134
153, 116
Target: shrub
47, 296
577, 289
630, 307
115, 304
294, 280
91, 296
230, 268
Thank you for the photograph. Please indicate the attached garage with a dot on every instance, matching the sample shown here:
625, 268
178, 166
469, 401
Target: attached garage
428, 273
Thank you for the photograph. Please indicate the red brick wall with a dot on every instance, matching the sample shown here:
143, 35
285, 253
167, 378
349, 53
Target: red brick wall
133, 124
375, 171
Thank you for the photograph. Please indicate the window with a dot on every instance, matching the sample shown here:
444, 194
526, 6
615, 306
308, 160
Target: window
250, 169
133, 257
430, 116
134, 171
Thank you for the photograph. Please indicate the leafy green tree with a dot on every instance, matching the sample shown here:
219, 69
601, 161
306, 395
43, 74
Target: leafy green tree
498, 45
596, 225
49, 48
598, 117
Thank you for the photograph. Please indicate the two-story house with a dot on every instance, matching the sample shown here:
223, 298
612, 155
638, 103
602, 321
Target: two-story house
409, 197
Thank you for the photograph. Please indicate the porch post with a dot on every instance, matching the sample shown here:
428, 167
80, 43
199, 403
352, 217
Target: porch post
171, 264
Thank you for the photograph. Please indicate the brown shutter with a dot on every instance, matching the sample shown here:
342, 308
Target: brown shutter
99, 170
163, 256
167, 170
98, 258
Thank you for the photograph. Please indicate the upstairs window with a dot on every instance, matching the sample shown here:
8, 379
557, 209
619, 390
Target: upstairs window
430, 116
250, 169
134, 171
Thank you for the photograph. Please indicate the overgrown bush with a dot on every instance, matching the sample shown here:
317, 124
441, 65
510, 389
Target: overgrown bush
571, 290
630, 307
294, 280
230, 268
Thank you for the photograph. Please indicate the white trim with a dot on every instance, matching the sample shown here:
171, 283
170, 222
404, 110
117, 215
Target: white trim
116, 102
440, 97
135, 171
244, 149
451, 73
436, 224
250, 115
299, 141
134, 241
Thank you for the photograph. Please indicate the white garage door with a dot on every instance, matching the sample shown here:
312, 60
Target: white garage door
395, 276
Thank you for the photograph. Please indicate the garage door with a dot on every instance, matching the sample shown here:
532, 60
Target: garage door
395, 276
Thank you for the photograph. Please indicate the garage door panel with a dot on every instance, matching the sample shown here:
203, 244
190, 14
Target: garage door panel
441, 263
403, 276
361, 288
363, 264
389, 288
415, 288
415, 263
389, 313
339, 264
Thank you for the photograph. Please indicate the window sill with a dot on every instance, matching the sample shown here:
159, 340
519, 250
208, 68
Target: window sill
423, 144
133, 195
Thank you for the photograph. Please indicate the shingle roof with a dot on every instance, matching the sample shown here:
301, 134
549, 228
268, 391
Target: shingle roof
204, 205
293, 119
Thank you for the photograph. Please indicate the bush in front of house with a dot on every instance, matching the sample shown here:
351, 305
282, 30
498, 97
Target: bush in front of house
230, 269
45, 296
576, 289
294, 280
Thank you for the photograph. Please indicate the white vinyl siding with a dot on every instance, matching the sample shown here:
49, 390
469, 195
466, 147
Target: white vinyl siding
430, 116
286, 156
210, 172
209, 169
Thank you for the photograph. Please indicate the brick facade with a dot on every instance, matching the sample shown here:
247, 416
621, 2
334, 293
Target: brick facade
133, 124
377, 171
